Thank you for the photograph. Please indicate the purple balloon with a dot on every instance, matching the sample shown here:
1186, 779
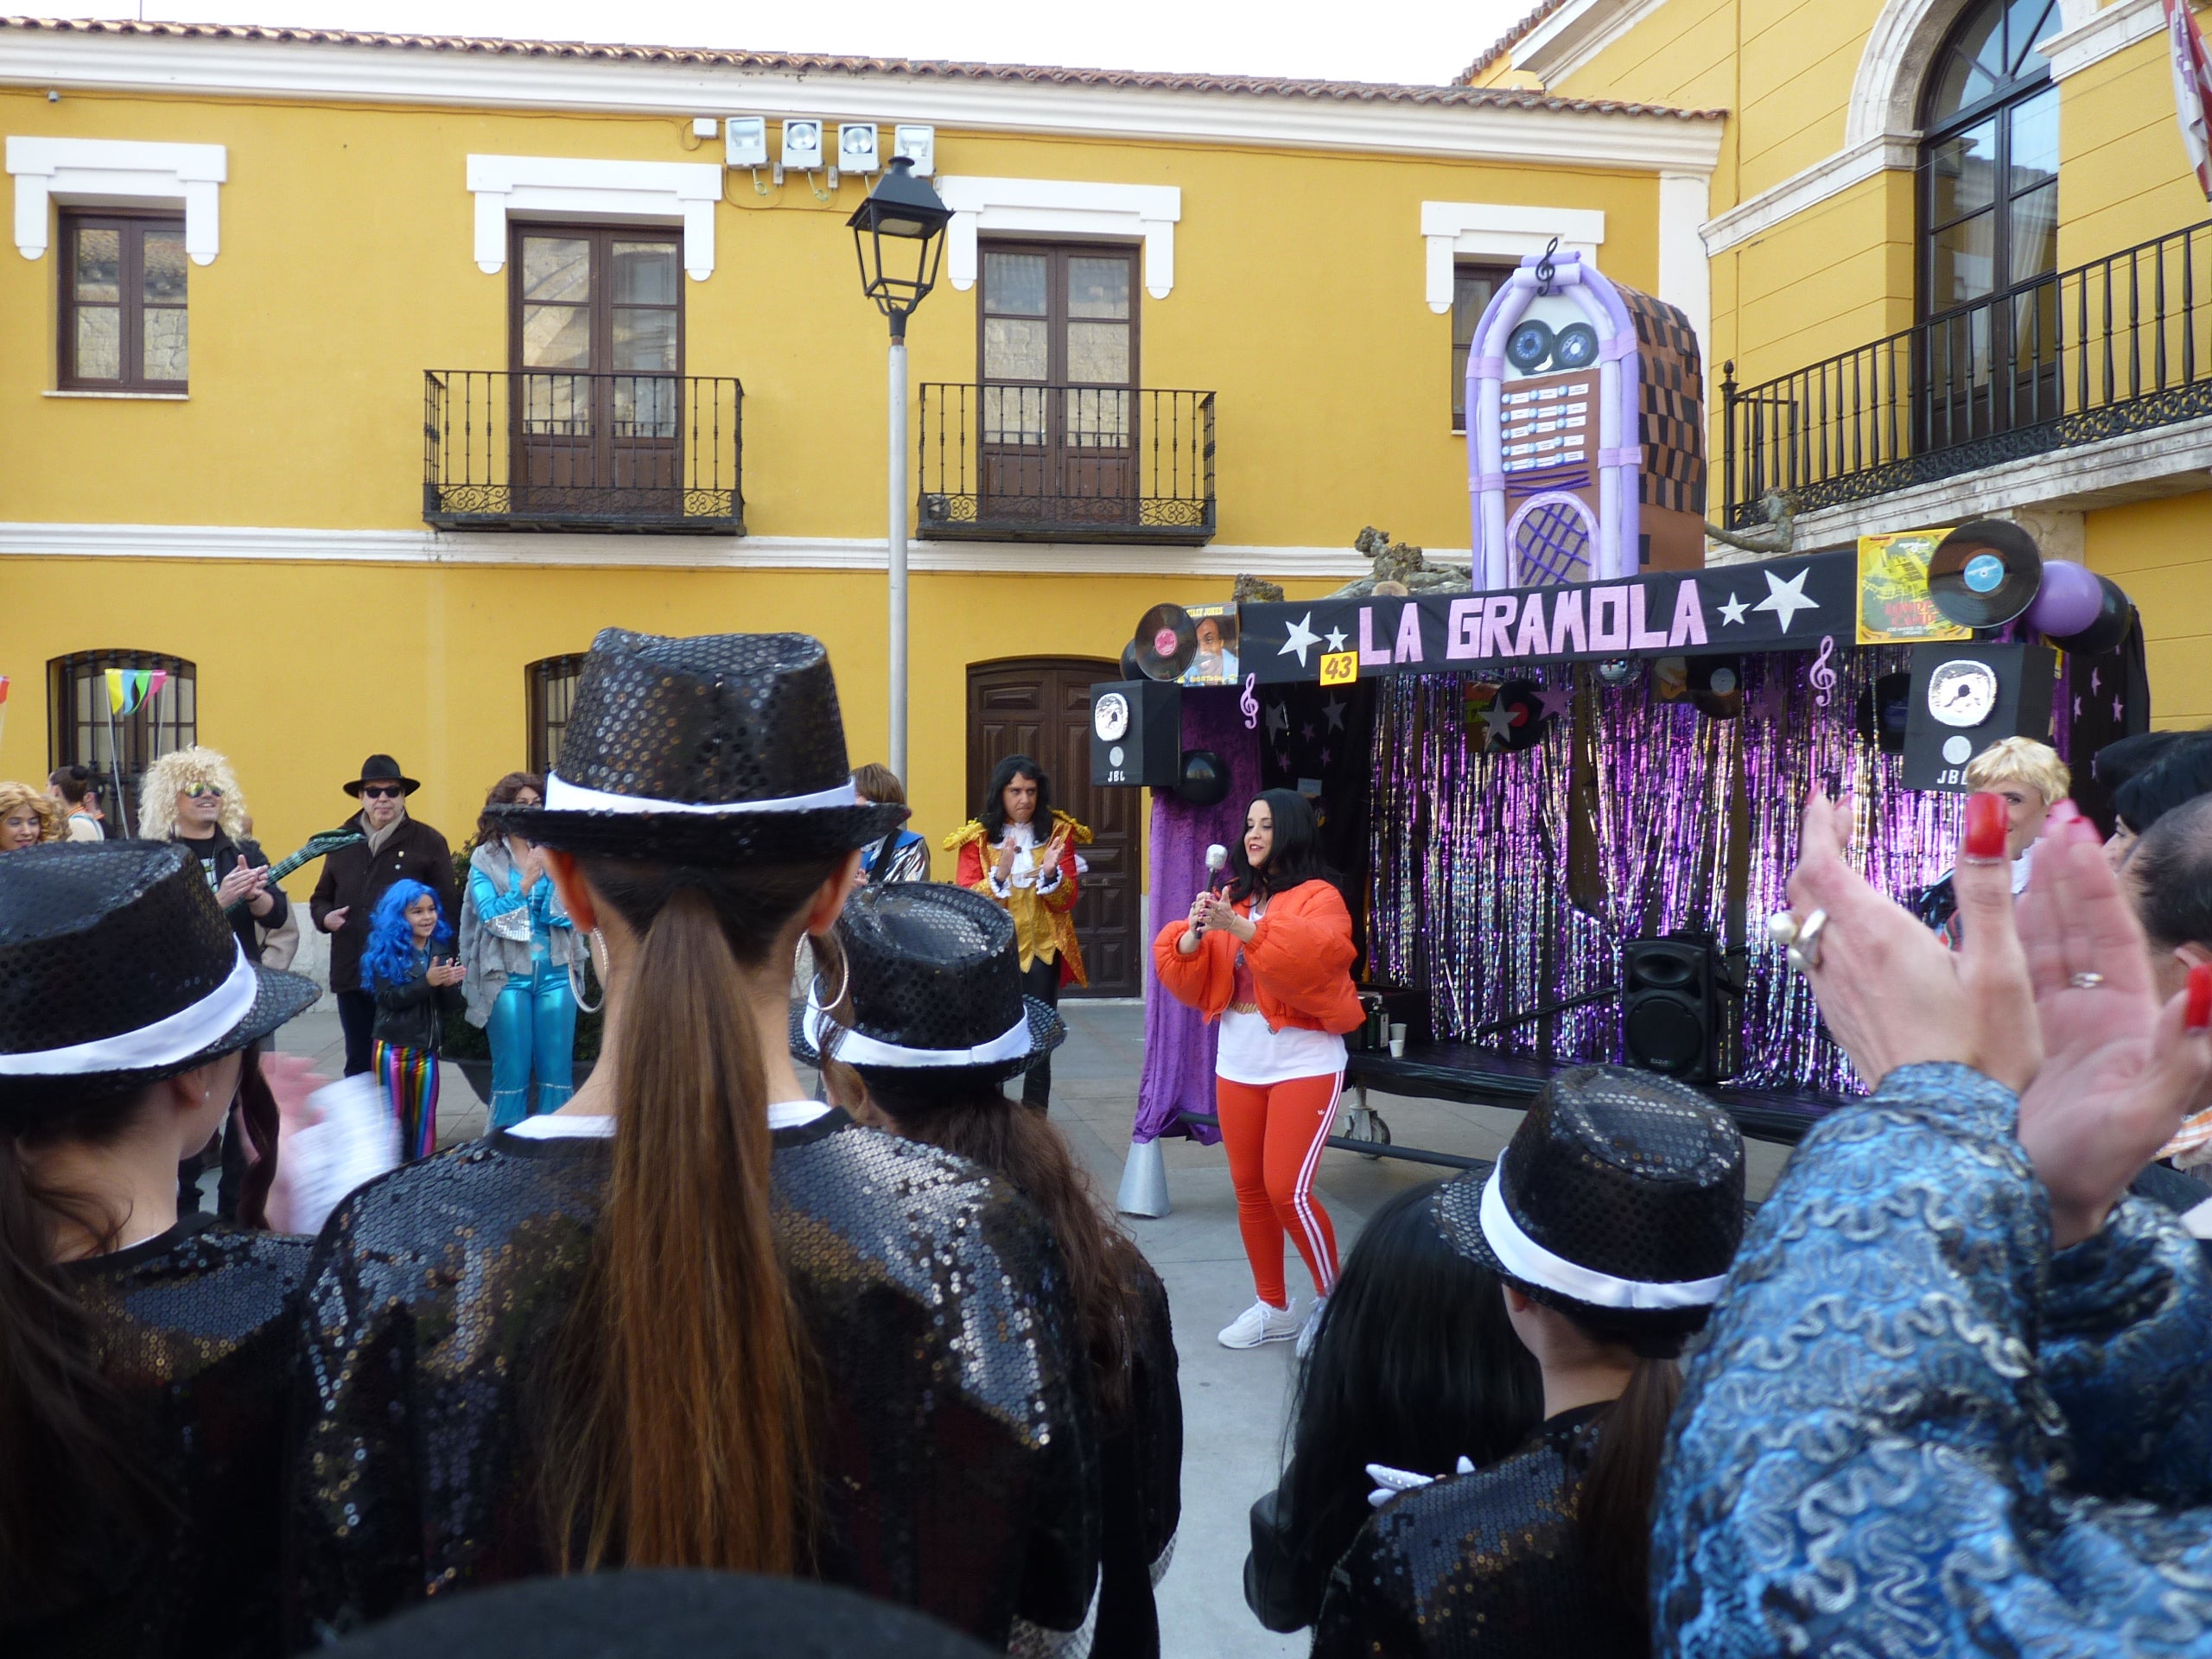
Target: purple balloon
2066, 600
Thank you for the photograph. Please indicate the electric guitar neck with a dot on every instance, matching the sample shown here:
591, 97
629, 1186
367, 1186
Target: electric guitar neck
329, 841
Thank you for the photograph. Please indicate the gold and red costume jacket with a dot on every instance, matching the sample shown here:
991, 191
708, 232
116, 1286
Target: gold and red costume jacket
1044, 923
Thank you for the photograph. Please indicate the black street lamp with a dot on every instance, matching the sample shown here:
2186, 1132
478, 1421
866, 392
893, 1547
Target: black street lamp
899, 234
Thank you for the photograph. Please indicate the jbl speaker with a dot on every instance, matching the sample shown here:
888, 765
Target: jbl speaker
1136, 732
1671, 1007
1966, 697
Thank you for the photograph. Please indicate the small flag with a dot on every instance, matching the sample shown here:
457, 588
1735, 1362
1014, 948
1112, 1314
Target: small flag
129, 687
2192, 68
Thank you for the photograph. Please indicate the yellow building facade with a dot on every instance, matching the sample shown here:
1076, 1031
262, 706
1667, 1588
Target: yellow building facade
347, 512
2068, 385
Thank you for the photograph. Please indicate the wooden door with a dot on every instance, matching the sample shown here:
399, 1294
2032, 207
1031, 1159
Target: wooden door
1040, 706
1058, 364
598, 351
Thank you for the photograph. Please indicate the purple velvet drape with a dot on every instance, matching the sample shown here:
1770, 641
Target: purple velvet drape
1179, 1046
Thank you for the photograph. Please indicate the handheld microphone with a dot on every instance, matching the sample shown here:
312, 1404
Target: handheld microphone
1216, 861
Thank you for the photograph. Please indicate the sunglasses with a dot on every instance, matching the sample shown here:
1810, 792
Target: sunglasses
382, 791
203, 792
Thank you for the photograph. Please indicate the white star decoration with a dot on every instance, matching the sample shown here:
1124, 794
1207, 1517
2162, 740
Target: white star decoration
1499, 718
1336, 639
1301, 638
1786, 599
1732, 613
1334, 708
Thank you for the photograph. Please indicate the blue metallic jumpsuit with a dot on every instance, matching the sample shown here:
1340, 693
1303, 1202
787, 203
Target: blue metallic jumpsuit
533, 1023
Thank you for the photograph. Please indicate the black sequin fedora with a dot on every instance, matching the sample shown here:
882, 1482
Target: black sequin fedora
724, 748
933, 981
118, 969
1621, 1193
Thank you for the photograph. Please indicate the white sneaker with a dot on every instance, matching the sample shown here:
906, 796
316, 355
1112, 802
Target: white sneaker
1262, 1322
1311, 1328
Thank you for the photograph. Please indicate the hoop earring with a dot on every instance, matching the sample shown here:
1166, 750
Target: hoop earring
844, 980
596, 951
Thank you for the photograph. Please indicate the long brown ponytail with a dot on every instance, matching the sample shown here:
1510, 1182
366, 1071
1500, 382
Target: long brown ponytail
1613, 1515
678, 1434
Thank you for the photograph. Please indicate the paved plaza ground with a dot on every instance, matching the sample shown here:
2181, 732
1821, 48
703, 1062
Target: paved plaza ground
1233, 1403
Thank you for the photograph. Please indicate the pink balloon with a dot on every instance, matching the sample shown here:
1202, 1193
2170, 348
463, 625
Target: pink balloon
2066, 600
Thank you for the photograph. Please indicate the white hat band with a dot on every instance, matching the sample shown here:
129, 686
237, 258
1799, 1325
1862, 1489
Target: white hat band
1526, 1260
175, 1036
561, 796
858, 1048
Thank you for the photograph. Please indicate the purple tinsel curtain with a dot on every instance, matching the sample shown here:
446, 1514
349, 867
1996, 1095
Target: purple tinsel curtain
1469, 894
1179, 1046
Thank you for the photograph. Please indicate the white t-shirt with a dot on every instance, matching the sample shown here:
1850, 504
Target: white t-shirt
1251, 1054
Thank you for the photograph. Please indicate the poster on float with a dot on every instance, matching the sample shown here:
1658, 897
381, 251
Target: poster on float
1894, 608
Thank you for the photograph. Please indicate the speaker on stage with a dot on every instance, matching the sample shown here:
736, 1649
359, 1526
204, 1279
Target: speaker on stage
1965, 697
1136, 732
1671, 1007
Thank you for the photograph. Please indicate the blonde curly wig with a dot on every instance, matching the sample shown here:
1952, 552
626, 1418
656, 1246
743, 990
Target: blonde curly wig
52, 821
174, 774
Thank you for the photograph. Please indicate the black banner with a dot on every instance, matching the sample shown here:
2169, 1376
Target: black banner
1786, 604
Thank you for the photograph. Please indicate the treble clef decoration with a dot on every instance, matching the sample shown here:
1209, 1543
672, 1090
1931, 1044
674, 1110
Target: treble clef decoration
1545, 270
1821, 677
1248, 705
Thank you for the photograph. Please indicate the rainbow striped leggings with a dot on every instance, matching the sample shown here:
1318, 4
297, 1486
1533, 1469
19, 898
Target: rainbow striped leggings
410, 1078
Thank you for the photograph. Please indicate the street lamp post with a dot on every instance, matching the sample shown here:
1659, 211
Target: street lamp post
898, 233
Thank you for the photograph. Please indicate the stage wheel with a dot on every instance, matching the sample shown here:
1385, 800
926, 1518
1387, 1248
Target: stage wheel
1367, 1124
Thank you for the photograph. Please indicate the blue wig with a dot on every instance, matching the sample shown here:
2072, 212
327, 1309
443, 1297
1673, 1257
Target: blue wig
389, 957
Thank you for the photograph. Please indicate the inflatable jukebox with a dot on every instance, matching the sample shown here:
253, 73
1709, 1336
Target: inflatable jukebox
1587, 417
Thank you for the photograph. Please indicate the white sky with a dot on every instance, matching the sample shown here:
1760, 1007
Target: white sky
1413, 40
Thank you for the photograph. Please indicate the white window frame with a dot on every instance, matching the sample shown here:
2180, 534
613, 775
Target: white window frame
1494, 230
1061, 207
581, 188
115, 173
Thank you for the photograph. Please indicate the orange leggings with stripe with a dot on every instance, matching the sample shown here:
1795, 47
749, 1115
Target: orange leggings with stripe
1274, 1136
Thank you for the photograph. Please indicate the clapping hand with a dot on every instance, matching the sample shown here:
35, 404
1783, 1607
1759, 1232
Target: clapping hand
243, 882
2121, 1072
1004, 867
447, 972
1390, 1482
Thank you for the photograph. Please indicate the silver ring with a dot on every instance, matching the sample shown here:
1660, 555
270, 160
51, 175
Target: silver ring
1805, 949
1782, 928
2088, 979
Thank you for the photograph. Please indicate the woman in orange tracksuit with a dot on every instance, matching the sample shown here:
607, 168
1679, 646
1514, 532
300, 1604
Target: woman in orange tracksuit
1272, 961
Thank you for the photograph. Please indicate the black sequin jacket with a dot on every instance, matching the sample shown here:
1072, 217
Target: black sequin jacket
194, 1330
1488, 1563
1141, 1476
953, 1424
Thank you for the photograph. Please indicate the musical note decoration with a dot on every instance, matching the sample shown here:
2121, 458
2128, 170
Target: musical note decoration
1821, 677
1247, 704
128, 688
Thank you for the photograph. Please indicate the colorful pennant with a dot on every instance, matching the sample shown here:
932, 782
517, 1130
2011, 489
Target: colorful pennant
129, 687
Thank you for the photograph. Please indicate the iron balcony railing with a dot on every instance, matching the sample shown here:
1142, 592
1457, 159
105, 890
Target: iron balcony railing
548, 449
2120, 345
1067, 464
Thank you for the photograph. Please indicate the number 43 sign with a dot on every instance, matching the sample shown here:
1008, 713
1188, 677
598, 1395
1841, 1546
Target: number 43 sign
1339, 668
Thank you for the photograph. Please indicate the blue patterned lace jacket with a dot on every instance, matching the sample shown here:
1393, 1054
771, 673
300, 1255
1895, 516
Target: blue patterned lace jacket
1914, 1431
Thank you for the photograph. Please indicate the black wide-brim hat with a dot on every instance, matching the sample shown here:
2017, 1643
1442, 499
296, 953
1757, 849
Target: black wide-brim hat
660, 1613
720, 749
378, 767
932, 987
118, 969
1621, 1195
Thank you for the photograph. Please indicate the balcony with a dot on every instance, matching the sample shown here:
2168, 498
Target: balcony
539, 449
2116, 348
1038, 463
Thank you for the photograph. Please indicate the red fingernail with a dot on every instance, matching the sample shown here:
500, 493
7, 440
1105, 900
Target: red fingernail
1985, 836
2197, 1013
2064, 812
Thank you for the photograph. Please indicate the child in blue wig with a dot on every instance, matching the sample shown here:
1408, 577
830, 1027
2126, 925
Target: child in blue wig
415, 988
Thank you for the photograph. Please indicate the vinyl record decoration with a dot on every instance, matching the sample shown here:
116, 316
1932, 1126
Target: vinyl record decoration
1165, 642
1986, 573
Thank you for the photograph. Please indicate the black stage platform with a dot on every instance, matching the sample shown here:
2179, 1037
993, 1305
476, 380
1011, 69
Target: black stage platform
1464, 1072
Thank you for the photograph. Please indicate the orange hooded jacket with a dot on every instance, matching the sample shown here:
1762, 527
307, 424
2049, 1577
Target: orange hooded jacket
1300, 959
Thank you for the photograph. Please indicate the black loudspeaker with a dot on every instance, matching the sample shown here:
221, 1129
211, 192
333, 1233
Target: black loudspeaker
1965, 697
1671, 1007
1136, 732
